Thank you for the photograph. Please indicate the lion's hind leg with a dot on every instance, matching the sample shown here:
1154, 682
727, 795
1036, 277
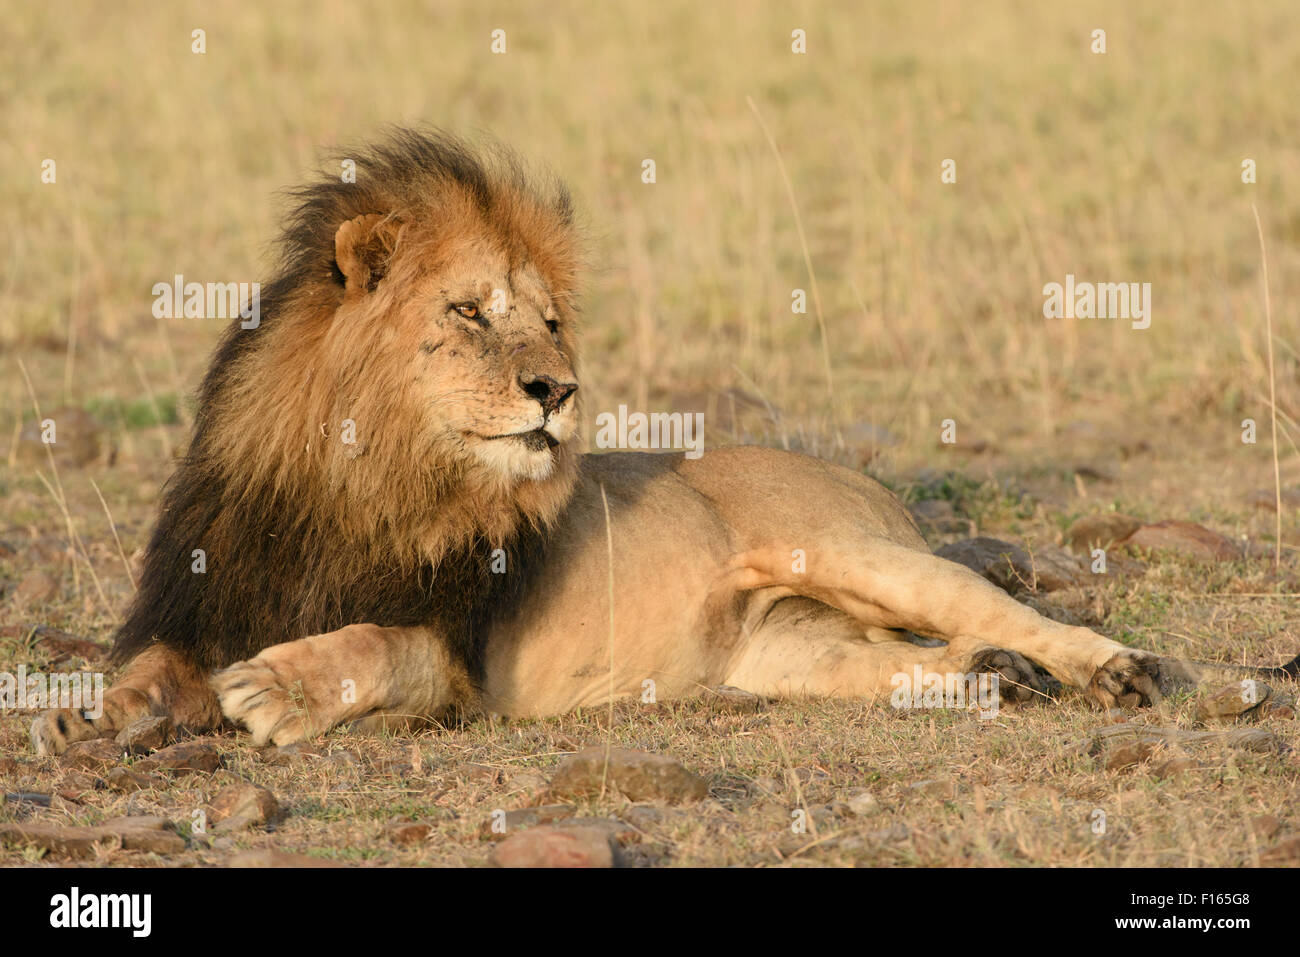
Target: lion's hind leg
885, 585
806, 647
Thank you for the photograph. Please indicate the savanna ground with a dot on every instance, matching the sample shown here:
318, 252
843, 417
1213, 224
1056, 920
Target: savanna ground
1117, 167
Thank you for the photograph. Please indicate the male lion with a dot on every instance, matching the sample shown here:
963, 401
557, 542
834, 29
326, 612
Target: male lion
383, 514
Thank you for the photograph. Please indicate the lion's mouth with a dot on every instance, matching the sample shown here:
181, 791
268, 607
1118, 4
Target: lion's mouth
538, 440
535, 440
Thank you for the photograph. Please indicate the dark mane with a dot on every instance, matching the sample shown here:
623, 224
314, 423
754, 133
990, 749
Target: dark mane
280, 563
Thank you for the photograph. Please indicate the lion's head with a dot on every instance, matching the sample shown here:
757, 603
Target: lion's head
421, 346
408, 400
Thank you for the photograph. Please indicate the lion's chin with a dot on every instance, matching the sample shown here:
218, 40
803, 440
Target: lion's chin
515, 460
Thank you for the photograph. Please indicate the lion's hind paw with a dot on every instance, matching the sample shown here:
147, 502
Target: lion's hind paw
1127, 680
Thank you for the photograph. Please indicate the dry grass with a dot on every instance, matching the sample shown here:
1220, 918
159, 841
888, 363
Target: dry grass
1122, 167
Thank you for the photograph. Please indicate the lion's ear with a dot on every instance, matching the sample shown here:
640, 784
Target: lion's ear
362, 249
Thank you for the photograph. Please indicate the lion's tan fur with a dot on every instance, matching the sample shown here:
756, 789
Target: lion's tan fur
749, 566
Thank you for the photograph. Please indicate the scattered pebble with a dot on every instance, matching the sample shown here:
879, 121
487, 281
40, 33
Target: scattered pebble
93, 755
556, 847
639, 775
153, 834
146, 734
187, 757
241, 806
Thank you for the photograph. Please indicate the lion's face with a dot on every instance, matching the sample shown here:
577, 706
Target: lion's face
493, 363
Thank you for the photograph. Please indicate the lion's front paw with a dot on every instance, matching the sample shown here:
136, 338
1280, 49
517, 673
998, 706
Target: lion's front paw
267, 699
1127, 680
53, 731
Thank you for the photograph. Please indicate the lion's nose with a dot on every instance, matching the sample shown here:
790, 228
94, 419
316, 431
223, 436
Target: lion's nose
547, 391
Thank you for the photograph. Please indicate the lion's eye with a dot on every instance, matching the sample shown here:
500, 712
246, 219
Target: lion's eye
468, 310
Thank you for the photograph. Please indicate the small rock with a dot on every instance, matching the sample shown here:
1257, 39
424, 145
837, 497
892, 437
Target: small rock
1125, 745
187, 757
556, 847
862, 803
1233, 701
57, 841
640, 776
1099, 531
727, 698
37, 587
241, 806
407, 832
133, 833
146, 734
1183, 538
125, 779
158, 841
93, 755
